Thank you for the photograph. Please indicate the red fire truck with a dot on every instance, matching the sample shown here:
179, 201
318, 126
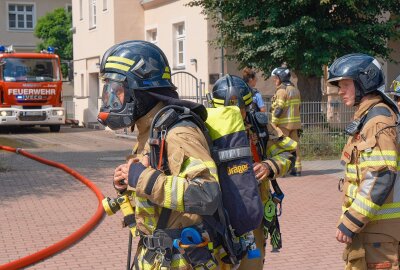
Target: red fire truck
30, 89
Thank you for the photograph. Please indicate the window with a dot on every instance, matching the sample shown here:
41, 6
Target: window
105, 5
68, 8
152, 36
20, 16
92, 14
82, 85
179, 46
80, 10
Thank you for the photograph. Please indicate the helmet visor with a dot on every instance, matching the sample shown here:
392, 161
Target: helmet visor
113, 95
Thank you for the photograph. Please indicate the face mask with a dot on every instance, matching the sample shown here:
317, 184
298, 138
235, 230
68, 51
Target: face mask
122, 107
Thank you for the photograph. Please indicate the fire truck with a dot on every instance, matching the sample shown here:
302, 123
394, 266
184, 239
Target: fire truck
30, 89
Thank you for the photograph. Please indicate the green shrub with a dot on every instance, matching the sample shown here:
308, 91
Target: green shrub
322, 143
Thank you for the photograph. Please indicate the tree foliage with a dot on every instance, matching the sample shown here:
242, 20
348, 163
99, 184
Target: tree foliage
304, 34
54, 30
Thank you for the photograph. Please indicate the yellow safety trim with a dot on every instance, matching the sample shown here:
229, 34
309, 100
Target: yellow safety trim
178, 261
388, 211
117, 66
378, 158
167, 69
166, 76
167, 191
121, 59
365, 203
248, 99
223, 121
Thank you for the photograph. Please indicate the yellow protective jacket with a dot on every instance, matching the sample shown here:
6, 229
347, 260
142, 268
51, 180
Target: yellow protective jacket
371, 201
285, 108
280, 157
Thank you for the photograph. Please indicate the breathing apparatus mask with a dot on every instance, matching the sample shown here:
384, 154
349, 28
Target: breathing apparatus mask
121, 106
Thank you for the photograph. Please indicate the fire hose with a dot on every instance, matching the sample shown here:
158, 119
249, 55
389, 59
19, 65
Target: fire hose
72, 238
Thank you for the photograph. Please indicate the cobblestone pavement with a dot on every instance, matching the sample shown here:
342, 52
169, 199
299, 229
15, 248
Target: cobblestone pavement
40, 205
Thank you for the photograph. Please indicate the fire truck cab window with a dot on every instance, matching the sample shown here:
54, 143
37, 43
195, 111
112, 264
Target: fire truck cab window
33, 70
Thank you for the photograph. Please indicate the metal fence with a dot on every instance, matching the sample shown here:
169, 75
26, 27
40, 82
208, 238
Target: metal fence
323, 125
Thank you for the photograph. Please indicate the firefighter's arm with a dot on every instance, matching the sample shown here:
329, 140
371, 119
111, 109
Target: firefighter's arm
279, 104
377, 164
192, 186
281, 154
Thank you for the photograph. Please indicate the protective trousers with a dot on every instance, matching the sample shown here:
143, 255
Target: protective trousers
372, 251
256, 263
294, 135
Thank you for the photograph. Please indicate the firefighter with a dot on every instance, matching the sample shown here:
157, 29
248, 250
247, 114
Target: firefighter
370, 223
137, 85
280, 149
285, 110
396, 90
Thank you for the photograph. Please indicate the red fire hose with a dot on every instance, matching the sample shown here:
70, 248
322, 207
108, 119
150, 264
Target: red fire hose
71, 239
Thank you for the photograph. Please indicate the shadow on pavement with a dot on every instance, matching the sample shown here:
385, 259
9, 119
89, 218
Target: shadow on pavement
36, 129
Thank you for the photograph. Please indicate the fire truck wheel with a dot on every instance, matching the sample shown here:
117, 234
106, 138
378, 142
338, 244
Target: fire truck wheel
55, 128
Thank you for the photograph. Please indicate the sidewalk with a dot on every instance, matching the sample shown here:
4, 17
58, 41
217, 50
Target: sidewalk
40, 205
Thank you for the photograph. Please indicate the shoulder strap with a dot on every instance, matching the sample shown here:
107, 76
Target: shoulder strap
373, 112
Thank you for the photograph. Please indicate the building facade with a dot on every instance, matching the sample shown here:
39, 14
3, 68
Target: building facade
18, 19
182, 32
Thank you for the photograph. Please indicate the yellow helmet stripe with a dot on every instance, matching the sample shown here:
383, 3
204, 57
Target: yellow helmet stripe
121, 60
117, 66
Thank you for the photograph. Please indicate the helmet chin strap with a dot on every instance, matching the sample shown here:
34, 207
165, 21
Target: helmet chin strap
359, 94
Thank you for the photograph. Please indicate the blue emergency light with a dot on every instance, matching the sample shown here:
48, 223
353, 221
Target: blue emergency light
2, 48
20, 97
50, 49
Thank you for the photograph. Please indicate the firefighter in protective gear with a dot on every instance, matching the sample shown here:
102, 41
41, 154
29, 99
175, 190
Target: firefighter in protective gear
395, 90
285, 110
370, 221
232, 90
137, 85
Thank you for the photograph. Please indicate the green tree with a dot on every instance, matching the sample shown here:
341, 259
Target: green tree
54, 30
304, 34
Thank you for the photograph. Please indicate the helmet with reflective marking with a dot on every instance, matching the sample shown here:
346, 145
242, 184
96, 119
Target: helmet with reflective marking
140, 63
231, 90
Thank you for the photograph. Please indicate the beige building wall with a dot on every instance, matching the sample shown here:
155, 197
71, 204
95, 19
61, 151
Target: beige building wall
115, 21
134, 20
24, 40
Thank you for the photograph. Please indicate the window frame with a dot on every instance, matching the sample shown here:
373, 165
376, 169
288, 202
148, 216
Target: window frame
177, 39
105, 5
149, 36
25, 13
92, 14
80, 10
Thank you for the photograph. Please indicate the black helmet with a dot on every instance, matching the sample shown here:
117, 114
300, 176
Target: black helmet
131, 71
364, 70
140, 63
282, 73
231, 90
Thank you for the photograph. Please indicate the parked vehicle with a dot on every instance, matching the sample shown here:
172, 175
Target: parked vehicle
31, 89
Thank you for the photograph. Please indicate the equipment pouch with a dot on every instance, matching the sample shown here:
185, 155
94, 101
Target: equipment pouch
354, 255
382, 251
201, 258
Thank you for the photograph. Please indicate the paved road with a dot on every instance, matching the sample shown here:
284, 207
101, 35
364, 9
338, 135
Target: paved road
40, 205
